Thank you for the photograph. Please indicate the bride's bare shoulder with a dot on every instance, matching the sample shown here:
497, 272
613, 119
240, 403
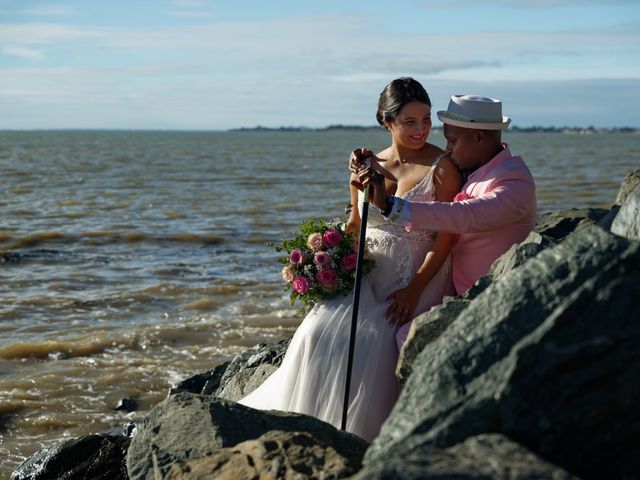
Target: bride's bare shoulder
430, 153
434, 151
383, 155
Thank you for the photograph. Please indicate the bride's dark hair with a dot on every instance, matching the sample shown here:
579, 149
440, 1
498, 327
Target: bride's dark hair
396, 95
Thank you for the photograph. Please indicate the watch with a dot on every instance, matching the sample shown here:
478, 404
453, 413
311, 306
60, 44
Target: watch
387, 209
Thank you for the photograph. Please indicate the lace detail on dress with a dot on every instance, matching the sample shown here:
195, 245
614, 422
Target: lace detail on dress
405, 246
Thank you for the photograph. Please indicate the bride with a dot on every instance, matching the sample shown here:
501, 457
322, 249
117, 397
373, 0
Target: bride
412, 274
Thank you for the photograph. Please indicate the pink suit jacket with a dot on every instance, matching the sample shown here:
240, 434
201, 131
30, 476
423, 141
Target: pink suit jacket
498, 211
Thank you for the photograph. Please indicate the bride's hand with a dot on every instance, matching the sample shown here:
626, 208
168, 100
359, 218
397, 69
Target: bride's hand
403, 305
351, 227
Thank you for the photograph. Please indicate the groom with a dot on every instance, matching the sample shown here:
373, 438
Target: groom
496, 207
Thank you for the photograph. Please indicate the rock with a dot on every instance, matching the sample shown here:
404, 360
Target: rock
425, 329
127, 405
90, 457
431, 324
520, 253
559, 224
274, 455
188, 426
240, 376
10, 257
606, 221
205, 383
546, 355
486, 456
249, 369
627, 221
629, 184
246, 381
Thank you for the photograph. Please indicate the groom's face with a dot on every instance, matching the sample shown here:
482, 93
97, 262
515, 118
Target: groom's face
462, 147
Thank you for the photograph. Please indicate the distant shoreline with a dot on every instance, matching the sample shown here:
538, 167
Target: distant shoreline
330, 128
534, 129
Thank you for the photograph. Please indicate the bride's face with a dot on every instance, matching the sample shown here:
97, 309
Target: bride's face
411, 127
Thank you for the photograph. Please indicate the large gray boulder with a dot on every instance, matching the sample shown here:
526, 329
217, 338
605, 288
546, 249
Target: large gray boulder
627, 221
547, 355
628, 185
481, 457
274, 455
560, 223
90, 457
430, 325
519, 253
188, 426
425, 329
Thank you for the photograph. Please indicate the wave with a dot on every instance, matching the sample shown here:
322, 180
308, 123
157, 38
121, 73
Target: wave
236, 327
42, 350
95, 343
104, 238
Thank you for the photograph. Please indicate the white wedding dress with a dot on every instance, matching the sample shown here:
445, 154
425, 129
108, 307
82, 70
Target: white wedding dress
311, 379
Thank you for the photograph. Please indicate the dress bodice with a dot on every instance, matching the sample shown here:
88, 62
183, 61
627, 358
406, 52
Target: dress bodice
397, 252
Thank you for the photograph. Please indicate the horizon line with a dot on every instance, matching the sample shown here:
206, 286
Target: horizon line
302, 128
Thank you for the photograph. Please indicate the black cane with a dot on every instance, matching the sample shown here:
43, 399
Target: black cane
356, 301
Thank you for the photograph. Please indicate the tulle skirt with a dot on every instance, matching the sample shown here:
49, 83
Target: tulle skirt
311, 379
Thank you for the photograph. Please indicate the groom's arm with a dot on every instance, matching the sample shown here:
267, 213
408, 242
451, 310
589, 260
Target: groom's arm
507, 203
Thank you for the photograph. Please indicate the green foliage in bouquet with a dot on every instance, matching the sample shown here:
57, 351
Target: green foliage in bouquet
320, 262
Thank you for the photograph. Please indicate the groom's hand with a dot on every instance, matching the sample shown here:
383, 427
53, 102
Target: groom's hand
359, 163
362, 164
360, 159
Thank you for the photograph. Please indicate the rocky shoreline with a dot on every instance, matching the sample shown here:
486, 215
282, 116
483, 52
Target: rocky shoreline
533, 373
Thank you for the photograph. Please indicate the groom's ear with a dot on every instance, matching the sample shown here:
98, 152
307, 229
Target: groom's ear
479, 136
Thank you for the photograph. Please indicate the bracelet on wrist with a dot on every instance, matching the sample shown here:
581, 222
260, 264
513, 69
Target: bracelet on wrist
389, 206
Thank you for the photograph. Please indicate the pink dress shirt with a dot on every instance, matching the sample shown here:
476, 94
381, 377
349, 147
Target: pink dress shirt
498, 211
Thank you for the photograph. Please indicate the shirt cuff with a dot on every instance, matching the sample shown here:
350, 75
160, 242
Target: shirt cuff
400, 213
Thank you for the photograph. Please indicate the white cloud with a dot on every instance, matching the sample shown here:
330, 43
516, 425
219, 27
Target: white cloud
333, 46
188, 3
48, 33
50, 10
22, 52
194, 14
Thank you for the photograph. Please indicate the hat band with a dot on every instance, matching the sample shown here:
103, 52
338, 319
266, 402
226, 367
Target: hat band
456, 116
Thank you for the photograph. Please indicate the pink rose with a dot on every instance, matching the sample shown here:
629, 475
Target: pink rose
331, 238
314, 242
349, 262
460, 196
327, 276
301, 284
297, 257
321, 258
287, 274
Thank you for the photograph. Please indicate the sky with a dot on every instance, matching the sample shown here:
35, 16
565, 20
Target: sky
215, 65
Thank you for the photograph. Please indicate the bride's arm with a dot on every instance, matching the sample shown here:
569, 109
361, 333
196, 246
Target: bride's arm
448, 182
353, 224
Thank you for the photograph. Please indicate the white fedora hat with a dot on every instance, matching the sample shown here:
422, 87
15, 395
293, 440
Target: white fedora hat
471, 111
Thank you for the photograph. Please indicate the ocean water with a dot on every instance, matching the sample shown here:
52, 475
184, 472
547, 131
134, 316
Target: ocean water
131, 260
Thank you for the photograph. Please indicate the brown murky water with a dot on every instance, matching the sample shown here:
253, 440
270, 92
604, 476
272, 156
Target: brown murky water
131, 260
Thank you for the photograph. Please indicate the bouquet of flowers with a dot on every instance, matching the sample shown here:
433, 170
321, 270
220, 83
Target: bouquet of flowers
320, 262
